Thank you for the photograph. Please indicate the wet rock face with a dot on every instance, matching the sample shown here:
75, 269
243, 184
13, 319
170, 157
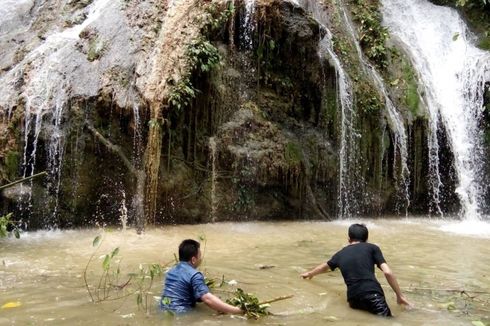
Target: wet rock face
92, 61
70, 67
272, 147
74, 49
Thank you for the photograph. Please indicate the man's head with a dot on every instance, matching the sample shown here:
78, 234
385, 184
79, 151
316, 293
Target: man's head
189, 251
358, 232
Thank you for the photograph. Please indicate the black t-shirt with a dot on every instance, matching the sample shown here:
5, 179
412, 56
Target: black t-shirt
356, 262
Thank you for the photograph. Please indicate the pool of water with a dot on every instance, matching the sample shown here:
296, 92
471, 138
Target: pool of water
434, 261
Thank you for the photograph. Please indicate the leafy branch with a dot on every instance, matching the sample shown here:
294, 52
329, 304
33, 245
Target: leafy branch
251, 305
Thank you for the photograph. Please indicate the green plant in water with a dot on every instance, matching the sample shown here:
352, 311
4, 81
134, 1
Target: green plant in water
5, 224
113, 285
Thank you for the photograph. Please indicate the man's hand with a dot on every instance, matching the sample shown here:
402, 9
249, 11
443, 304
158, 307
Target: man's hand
401, 300
322, 268
215, 303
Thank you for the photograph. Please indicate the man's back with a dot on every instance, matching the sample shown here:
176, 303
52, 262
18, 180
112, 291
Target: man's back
184, 285
356, 262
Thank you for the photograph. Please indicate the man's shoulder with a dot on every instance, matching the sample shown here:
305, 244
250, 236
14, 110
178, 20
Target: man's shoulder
183, 269
372, 245
368, 246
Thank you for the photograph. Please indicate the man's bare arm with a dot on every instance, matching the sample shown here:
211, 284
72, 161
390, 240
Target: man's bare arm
322, 268
215, 303
390, 277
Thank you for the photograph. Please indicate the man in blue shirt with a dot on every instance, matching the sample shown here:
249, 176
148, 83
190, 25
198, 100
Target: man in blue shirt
356, 262
184, 284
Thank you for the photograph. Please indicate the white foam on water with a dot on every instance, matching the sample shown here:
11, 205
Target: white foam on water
472, 228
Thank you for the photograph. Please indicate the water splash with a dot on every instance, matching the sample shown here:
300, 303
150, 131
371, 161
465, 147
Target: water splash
453, 72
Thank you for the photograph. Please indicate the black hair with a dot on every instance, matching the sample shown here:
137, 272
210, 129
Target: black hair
358, 232
187, 249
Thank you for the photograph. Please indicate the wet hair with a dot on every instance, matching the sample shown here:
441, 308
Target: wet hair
358, 232
187, 249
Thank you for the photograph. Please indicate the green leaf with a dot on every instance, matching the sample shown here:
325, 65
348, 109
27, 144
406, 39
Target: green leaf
456, 36
477, 323
272, 44
115, 252
96, 241
106, 263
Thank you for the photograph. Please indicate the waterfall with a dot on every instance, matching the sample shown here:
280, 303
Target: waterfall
123, 211
347, 148
453, 73
248, 25
395, 120
44, 74
55, 159
347, 152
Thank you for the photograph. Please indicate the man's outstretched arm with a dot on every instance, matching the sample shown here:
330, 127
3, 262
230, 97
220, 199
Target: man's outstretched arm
390, 277
322, 268
215, 303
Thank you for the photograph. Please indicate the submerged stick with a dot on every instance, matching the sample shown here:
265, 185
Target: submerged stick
446, 290
284, 297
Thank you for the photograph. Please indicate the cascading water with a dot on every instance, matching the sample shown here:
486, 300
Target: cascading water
248, 25
394, 117
453, 72
347, 150
55, 158
123, 212
45, 92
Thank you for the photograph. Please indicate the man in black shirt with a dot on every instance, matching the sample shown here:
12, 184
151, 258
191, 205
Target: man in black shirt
356, 262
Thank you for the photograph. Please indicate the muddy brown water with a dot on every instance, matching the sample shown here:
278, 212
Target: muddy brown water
42, 272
